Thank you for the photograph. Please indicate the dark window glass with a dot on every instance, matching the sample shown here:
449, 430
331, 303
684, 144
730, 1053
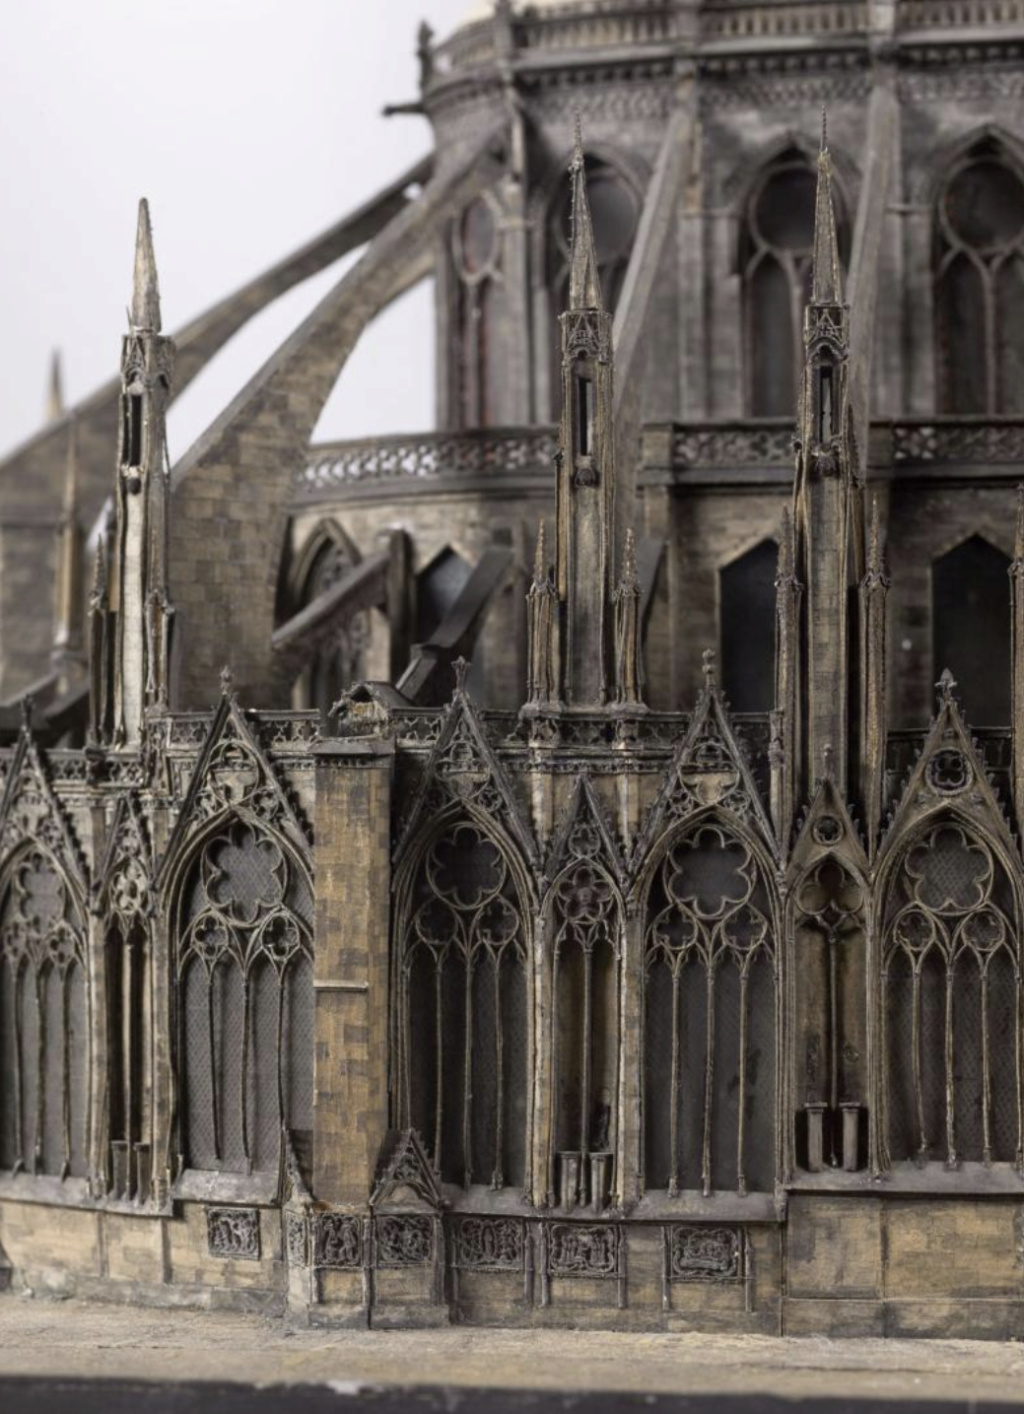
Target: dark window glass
748, 629
971, 626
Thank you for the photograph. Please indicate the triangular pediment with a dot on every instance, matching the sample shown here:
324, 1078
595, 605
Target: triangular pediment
462, 768
709, 770
949, 773
828, 828
585, 834
405, 1174
127, 855
30, 811
234, 775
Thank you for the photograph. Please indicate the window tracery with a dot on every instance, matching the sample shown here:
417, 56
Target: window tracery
246, 987
44, 1041
340, 661
709, 1050
950, 979
129, 1020
979, 284
971, 628
464, 1008
476, 251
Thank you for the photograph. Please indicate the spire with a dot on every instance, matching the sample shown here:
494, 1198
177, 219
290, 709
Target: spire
584, 281
55, 389
876, 573
67, 637
827, 283
540, 559
627, 629
145, 289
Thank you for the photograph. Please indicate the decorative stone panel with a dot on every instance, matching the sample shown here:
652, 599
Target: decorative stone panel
234, 1233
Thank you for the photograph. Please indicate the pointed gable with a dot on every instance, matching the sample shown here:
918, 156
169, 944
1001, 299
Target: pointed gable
405, 1173
31, 813
709, 769
828, 828
584, 834
127, 858
949, 773
234, 775
462, 767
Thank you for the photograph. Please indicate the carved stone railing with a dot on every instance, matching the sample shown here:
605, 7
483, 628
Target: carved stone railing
724, 21
429, 456
987, 441
604, 24
958, 14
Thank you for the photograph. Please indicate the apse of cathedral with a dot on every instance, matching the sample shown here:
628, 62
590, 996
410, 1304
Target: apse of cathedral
562, 869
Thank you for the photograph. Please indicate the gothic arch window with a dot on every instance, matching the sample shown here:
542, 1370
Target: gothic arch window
586, 918
971, 628
129, 1028
476, 250
44, 1037
463, 1007
950, 1015
776, 245
710, 1024
339, 662
615, 214
979, 284
747, 628
245, 983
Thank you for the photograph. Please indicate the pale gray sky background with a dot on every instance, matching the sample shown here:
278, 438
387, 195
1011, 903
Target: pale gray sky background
251, 125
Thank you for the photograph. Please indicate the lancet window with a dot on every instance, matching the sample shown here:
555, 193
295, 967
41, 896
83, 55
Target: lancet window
339, 661
979, 284
463, 1008
587, 922
129, 1027
44, 1038
950, 979
246, 1011
775, 262
710, 1018
971, 628
747, 628
477, 254
615, 215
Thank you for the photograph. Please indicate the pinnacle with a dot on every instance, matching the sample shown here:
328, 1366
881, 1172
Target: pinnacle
540, 569
584, 281
55, 389
1018, 548
145, 315
827, 283
71, 474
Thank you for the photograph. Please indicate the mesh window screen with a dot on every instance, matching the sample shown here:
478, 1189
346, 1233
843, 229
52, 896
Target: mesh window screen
10, 1139
53, 1072
31, 1095
200, 1133
78, 1071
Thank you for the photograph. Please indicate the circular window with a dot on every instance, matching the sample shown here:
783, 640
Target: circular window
828, 830
949, 771
984, 205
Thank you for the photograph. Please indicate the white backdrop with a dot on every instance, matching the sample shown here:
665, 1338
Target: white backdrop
250, 125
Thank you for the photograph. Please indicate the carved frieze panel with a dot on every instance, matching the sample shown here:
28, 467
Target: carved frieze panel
489, 1244
339, 1241
234, 1233
584, 1249
404, 1241
696, 1252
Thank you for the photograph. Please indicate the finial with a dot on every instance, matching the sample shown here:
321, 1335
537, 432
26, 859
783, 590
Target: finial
226, 681
629, 582
540, 559
824, 128
461, 666
55, 391
709, 660
145, 312
576, 165
826, 281
946, 684
828, 761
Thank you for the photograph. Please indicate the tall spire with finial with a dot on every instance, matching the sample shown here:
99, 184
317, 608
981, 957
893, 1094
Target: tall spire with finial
55, 389
145, 287
540, 600
827, 279
584, 279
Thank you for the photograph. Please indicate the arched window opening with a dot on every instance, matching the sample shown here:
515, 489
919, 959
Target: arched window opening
747, 627
464, 1010
709, 1048
587, 922
831, 1051
340, 661
45, 1039
971, 628
950, 979
776, 249
245, 972
615, 215
476, 249
979, 284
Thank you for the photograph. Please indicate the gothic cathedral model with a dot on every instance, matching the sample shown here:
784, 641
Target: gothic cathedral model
596, 897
